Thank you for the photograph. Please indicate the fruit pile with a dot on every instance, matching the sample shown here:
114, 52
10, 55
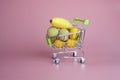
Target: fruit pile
62, 33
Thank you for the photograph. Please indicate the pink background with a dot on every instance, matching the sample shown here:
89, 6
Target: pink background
24, 54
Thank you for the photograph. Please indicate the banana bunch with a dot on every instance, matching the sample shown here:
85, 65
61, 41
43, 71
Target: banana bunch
60, 23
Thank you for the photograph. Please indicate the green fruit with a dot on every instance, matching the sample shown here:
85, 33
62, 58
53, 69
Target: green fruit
52, 32
63, 34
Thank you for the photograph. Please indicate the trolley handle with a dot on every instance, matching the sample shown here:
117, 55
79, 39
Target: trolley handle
84, 21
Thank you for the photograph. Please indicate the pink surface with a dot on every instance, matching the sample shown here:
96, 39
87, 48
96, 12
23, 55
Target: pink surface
24, 54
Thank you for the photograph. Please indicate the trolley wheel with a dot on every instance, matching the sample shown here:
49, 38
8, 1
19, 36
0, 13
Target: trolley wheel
56, 61
74, 54
54, 56
82, 60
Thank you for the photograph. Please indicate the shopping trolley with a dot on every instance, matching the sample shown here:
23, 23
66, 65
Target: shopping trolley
78, 44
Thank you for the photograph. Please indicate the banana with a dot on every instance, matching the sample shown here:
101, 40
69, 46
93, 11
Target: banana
60, 23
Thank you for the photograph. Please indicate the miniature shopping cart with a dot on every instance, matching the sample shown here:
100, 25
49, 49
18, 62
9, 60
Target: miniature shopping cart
70, 50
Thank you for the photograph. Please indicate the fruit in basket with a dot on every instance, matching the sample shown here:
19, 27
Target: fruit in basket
52, 31
70, 43
60, 23
63, 34
74, 35
53, 40
59, 43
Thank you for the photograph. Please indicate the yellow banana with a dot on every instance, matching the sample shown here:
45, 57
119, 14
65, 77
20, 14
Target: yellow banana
60, 23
